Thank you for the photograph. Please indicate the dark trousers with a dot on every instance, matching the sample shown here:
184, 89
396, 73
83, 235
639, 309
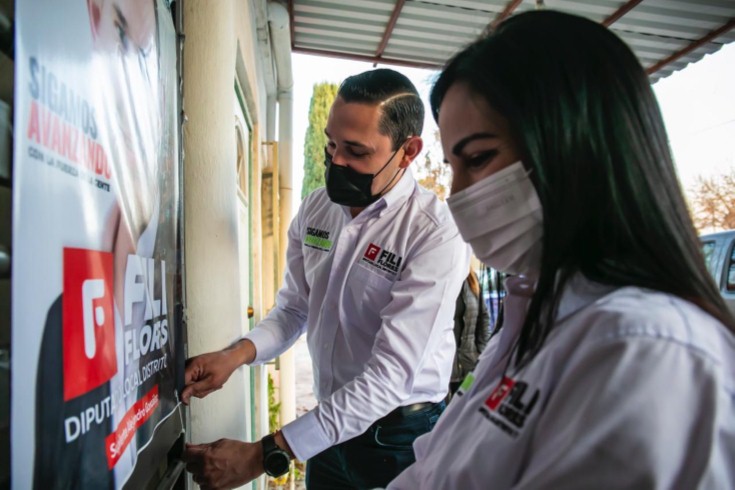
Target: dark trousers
374, 458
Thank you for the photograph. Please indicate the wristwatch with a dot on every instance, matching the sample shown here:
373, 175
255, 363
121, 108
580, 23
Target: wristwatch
276, 461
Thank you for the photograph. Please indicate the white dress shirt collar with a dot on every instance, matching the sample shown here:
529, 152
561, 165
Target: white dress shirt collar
580, 292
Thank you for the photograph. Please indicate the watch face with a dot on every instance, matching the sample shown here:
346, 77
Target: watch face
277, 463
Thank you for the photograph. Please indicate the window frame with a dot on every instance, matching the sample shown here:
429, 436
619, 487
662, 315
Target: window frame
728, 271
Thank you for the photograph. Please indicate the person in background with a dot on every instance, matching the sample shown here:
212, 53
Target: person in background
471, 330
619, 371
374, 265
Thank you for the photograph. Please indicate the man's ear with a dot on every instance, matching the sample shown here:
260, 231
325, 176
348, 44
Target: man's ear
95, 12
411, 149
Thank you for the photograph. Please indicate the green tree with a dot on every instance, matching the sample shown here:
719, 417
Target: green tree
433, 174
315, 140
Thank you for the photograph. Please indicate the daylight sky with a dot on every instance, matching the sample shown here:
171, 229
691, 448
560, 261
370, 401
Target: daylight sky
698, 104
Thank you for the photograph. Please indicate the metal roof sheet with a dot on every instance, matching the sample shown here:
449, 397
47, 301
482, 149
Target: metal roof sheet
666, 35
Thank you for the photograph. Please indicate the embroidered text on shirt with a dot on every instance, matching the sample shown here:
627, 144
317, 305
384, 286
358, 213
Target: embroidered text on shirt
318, 239
505, 406
382, 259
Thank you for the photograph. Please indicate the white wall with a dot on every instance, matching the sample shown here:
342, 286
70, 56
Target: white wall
211, 242
222, 45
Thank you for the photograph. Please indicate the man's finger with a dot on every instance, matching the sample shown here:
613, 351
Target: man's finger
195, 448
203, 481
200, 389
186, 396
194, 468
193, 452
192, 372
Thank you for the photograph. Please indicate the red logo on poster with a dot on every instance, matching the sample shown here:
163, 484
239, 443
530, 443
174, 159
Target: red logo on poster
372, 252
500, 392
88, 321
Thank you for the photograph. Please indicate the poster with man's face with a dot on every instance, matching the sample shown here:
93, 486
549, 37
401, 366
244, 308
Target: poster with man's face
95, 223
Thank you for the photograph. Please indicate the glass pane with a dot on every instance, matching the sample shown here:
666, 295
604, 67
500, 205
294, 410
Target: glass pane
708, 250
730, 285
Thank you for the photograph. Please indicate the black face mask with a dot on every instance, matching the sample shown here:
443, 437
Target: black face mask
350, 188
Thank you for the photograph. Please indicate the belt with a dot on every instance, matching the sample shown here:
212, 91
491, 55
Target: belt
407, 410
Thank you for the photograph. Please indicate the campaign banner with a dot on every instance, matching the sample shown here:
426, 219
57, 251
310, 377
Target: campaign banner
95, 240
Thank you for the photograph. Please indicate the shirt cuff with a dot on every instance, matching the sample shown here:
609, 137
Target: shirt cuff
261, 338
305, 436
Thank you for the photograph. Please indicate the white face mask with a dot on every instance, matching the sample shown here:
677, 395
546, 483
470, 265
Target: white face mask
500, 217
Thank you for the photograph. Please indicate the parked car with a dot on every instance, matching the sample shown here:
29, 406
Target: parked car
719, 254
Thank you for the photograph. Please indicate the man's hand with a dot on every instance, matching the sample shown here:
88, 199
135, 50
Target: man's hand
224, 463
208, 372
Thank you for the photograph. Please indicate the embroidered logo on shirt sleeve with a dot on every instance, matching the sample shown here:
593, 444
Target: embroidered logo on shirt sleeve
318, 239
509, 405
467, 383
382, 259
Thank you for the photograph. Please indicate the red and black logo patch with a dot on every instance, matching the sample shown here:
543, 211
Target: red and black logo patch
382, 259
509, 405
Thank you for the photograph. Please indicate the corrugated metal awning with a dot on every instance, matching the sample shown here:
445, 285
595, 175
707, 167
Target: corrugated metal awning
666, 35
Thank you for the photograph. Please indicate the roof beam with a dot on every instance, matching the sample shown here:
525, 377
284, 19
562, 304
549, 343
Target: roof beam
389, 28
368, 59
509, 8
696, 44
624, 9
291, 23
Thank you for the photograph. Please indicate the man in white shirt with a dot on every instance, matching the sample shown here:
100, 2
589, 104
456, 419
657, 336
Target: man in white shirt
374, 265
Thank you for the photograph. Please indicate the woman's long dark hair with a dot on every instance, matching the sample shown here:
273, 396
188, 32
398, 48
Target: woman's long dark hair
587, 124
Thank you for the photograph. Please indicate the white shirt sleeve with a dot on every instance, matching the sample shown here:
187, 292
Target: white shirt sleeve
414, 323
285, 323
619, 414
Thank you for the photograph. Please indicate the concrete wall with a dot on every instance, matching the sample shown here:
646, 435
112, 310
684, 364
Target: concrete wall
211, 229
222, 47
252, 37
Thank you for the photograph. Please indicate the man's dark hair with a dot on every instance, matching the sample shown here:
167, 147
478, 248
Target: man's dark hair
402, 110
581, 109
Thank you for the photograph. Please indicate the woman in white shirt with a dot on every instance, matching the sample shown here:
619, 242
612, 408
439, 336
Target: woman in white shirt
617, 370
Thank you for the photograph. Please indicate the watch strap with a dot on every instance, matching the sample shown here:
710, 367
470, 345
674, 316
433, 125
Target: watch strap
272, 455
269, 444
